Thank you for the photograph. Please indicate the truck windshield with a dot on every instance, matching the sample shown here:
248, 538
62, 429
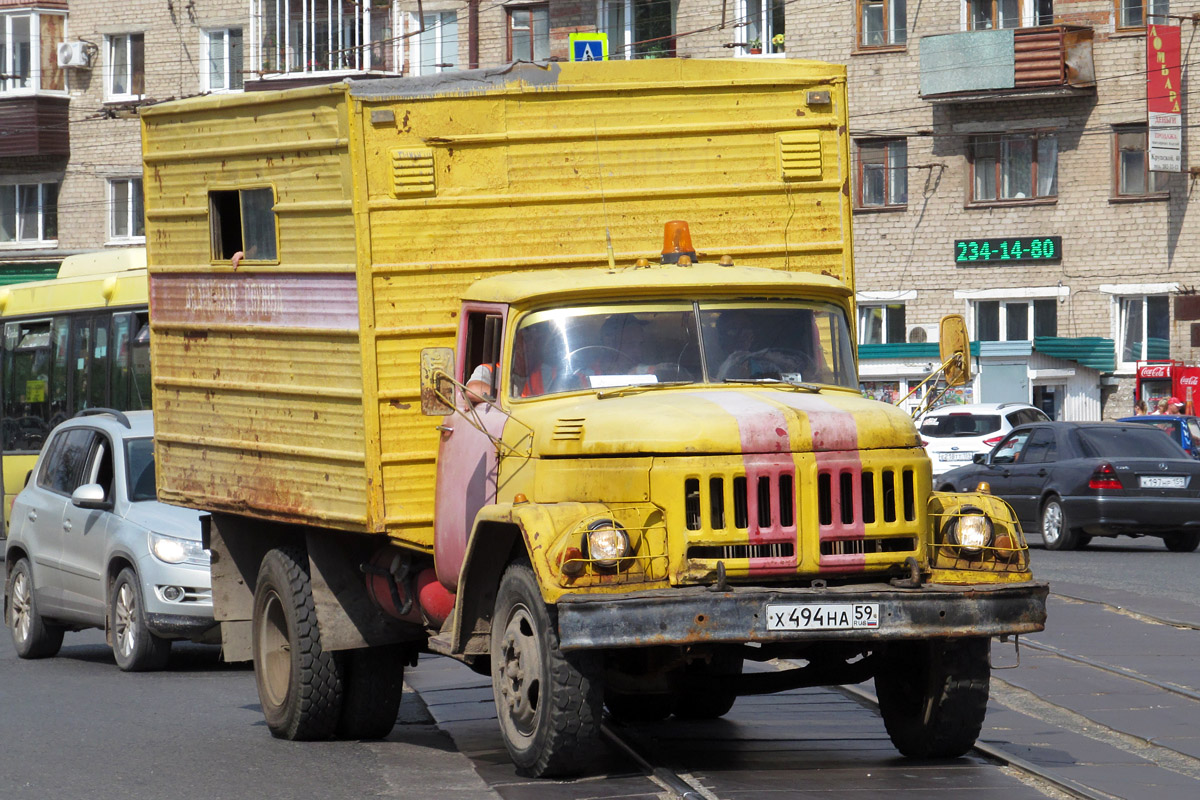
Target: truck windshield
601, 347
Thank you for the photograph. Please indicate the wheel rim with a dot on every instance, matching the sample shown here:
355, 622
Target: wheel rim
520, 672
1052, 520
124, 626
274, 650
22, 605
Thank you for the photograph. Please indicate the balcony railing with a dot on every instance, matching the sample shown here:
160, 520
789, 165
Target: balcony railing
987, 65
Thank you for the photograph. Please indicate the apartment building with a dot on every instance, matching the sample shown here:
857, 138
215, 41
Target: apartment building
980, 126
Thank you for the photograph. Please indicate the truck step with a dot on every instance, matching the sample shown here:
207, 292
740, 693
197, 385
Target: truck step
440, 644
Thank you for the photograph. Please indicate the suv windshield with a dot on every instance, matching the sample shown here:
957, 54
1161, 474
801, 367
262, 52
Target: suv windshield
962, 424
599, 347
139, 469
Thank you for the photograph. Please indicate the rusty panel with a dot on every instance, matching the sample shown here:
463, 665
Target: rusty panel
1077, 45
1039, 57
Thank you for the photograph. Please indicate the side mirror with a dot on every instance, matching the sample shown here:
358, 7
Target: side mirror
954, 346
437, 385
979, 458
90, 495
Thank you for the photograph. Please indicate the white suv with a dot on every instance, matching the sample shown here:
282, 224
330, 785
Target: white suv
953, 434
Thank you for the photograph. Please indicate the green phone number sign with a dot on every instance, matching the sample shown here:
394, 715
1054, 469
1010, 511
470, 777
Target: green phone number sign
970, 252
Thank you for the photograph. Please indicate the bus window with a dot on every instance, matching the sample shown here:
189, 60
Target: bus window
27, 368
141, 365
61, 341
81, 352
98, 396
119, 362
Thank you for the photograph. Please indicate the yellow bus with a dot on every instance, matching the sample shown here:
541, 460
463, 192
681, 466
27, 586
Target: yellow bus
80, 340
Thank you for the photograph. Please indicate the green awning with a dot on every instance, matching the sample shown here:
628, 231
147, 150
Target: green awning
922, 350
20, 273
1091, 351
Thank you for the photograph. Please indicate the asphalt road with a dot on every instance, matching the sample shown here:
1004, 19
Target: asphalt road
1087, 706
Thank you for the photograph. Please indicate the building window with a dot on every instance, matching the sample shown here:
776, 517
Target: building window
1145, 328
28, 213
1014, 167
438, 43
764, 28
126, 221
318, 36
29, 51
1133, 177
881, 324
986, 15
221, 70
529, 33
1015, 320
882, 23
642, 28
125, 68
1136, 13
242, 221
883, 174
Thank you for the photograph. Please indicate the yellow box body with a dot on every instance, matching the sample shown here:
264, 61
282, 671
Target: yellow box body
287, 388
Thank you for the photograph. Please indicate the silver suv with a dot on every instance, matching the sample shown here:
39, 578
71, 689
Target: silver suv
90, 547
953, 434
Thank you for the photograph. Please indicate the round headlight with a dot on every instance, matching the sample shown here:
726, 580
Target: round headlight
607, 543
970, 533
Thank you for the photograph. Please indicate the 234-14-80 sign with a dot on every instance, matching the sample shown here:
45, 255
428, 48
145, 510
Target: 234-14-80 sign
971, 252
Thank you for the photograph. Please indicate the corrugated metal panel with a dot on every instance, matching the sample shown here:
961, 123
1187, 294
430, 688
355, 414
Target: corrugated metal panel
34, 125
1096, 352
1039, 57
972, 61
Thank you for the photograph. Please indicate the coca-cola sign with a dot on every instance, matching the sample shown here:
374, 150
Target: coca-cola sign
1155, 371
1189, 380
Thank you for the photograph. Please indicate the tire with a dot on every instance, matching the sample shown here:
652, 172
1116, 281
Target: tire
1057, 534
372, 688
548, 702
32, 636
299, 684
639, 707
1182, 542
933, 695
135, 648
711, 702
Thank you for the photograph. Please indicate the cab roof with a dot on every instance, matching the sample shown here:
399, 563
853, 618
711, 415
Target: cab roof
697, 280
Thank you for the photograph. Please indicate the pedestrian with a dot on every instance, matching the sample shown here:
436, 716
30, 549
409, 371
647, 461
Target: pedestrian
1161, 408
1140, 408
1174, 406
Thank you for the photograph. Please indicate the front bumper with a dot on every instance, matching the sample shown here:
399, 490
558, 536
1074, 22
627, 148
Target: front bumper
1108, 515
696, 615
180, 626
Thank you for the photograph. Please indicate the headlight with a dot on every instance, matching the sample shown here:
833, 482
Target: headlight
970, 532
174, 550
607, 543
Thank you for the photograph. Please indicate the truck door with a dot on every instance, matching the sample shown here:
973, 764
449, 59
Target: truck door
467, 463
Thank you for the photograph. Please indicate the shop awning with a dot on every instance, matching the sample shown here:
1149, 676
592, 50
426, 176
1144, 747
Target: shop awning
1091, 351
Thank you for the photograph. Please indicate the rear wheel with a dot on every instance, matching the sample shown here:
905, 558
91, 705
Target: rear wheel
933, 695
135, 648
1182, 542
548, 702
372, 688
32, 637
299, 684
1057, 534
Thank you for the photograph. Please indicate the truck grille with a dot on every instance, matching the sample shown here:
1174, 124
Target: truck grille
857, 511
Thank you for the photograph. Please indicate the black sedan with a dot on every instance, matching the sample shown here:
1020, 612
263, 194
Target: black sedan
1076, 480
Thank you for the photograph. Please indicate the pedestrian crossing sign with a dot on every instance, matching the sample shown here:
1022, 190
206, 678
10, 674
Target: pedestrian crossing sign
589, 46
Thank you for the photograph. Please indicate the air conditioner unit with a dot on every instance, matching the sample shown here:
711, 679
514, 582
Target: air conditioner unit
922, 333
75, 54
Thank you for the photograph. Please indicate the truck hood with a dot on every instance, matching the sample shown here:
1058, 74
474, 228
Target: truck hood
713, 420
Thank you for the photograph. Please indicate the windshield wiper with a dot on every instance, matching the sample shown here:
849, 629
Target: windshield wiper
808, 387
621, 391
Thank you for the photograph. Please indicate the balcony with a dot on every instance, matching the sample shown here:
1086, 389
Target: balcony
1022, 63
33, 125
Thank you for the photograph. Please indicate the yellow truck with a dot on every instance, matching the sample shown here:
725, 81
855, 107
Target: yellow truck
416, 349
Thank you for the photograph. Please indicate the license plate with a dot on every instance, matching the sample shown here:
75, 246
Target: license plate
1163, 482
955, 456
822, 616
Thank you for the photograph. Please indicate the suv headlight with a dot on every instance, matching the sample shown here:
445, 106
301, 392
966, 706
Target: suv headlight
174, 550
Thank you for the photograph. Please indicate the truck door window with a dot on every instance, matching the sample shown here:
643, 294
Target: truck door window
482, 355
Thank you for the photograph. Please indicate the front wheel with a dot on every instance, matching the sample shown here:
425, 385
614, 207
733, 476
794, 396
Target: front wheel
135, 648
548, 702
299, 684
32, 636
933, 695
1056, 533
1182, 542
